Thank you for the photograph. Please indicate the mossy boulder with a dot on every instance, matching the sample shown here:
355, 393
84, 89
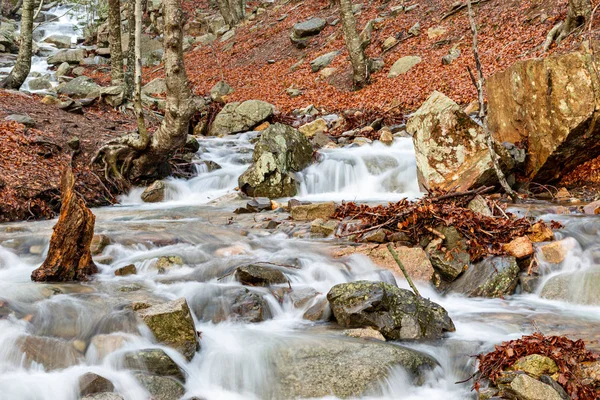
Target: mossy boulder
536, 365
153, 361
396, 313
492, 277
259, 275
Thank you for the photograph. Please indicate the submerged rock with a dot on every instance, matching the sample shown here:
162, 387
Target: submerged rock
218, 304
161, 387
154, 193
91, 383
396, 313
172, 324
154, 362
581, 287
280, 152
49, 352
341, 367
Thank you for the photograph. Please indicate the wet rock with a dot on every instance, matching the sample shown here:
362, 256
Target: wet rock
592, 208
492, 277
376, 236
364, 333
309, 130
341, 367
81, 87
154, 193
528, 388
520, 247
449, 256
153, 362
280, 152
60, 41
155, 86
322, 227
529, 283
386, 137
550, 103
259, 204
103, 396
39, 84
126, 270
540, 233
172, 324
165, 263
102, 345
71, 56
243, 306
99, 243
91, 383
318, 311
396, 313
308, 212
161, 387
259, 275
49, 352
536, 365
451, 149
403, 65
579, 288
22, 119
323, 61
220, 90
555, 252
240, 117
479, 205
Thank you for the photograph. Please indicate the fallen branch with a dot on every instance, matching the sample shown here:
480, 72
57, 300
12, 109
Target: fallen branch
410, 282
458, 8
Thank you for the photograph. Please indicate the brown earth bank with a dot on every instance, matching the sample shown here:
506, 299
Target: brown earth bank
33, 158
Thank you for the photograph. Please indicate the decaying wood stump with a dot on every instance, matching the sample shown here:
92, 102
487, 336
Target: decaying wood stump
69, 257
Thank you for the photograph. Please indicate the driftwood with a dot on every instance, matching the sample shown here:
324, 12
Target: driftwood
69, 257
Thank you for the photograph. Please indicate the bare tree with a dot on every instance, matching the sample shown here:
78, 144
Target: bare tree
23, 65
134, 158
578, 13
482, 111
114, 34
360, 65
129, 72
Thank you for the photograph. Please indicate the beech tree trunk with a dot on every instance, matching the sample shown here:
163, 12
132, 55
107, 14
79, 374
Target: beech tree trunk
360, 67
114, 34
69, 257
23, 65
232, 11
129, 72
578, 13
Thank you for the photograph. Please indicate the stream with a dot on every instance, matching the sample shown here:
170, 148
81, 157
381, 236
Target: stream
87, 327
235, 361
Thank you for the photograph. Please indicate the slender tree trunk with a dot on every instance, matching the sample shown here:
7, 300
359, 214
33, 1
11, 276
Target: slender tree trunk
360, 67
23, 65
482, 110
114, 34
129, 80
139, 112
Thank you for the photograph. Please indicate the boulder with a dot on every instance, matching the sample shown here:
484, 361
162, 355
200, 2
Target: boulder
592, 208
39, 84
344, 368
155, 86
322, 227
397, 313
233, 303
582, 287
220, 90
240, 117
312, 128
154, 193
309, 212
280, 152
528, 388
259, 275
21, 119
91, 383
555, 252
323, 61
50, 352
479, 205
60, 41
520, 247
81, 87
161, 387
153, 362
403, 65
540, 232
71, 56
172, 324
551, 103
99, 243
126, 270
450, 147
310, 27
492, 277
449, 256
102, 345
535, 365
63, 69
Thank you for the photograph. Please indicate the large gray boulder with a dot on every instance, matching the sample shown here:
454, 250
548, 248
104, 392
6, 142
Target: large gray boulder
81, 87
60, 41
341, 367
7, 37
582, 287
492, 277
280, 152
396, 313
302, 32
450, 147
71, 56
240, 117
323, 61
403, 65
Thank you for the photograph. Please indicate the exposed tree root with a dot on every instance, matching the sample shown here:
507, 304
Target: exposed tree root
577, 15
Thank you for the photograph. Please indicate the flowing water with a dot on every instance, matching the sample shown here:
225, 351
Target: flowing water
236, 359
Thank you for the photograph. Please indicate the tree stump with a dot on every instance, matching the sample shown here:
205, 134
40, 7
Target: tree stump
69, 257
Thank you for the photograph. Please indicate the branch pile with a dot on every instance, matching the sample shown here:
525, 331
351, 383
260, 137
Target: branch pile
419, 219
566, 353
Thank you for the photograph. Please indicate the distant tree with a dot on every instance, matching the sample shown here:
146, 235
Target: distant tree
360, 63
23, 65
114, 33
232, 11
578, 13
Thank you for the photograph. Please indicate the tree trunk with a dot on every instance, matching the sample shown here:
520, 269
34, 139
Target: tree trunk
360, 68
69, 257
578, 14
129, 80
114, 34
23, 65
226, 12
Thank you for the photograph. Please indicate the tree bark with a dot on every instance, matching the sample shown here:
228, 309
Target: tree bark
129, 72
226, 12
23, 65
360, 67
69, 257
114, 34
578, 13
